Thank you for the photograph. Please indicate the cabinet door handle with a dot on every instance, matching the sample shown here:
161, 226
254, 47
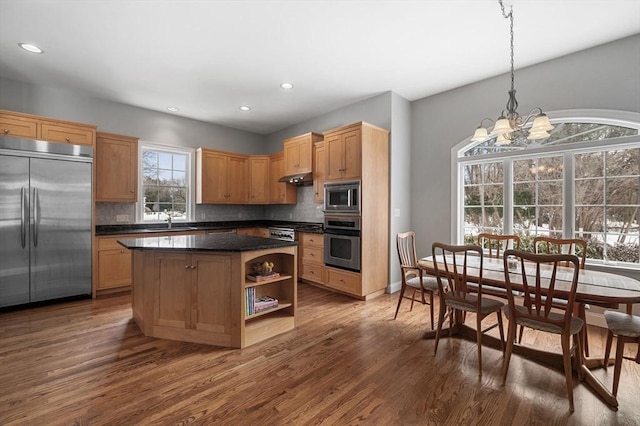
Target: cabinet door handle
121, 251
186, 266
5, 131
132, 191
67, 139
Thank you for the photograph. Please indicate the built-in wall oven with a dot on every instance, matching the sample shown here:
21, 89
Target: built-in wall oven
342, 241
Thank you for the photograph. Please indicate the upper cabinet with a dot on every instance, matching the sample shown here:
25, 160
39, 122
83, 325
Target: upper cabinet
221, 177
298, 153
22, 125
343, 151
259, 179
116, 163
280, 192
319, 164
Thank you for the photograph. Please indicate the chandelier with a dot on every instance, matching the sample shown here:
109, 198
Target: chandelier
510, 127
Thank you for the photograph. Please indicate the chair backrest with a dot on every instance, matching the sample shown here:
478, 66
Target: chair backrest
451, 263
536, 278
497, 244
550, 245
406, 243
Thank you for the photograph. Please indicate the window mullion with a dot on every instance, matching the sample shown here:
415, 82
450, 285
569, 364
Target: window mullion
568, 205
507, 215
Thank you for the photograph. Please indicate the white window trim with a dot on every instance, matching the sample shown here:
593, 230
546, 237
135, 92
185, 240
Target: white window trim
190, 153
610, 117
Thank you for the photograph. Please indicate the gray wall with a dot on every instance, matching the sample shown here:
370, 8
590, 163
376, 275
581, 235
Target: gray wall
149, 126
603, 77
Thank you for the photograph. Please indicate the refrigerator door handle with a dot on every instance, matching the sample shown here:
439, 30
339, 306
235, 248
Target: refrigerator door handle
36, 207
23, 217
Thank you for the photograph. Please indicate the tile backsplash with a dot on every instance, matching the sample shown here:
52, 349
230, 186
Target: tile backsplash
304, 211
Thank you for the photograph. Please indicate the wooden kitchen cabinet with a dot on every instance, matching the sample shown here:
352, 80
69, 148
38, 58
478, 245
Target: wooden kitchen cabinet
343, 155
259, 179
311, 257
23, 125
360, 151
116, 163
298, 153
221, 177
280, 192
345, 281
193, 293
255, 232
114, 264
318, 172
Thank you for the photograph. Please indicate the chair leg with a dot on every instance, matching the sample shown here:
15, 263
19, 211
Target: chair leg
413, 298
618, 365
520, 334
511, 336
441, 314
568, 373
607, 349
402, 289
479, 340
501, 329
431, 307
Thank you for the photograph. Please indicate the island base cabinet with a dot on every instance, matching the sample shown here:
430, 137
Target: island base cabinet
202, 298
190, 297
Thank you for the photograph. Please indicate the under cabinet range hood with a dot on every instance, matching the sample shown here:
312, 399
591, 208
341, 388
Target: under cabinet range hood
301, 179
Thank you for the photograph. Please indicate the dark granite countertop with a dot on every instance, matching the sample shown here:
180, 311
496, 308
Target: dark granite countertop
150, 228
212, 242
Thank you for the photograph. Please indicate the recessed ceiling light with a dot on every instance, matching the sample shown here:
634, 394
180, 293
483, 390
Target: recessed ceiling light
31, 48
245, 108
286, 86
173, 109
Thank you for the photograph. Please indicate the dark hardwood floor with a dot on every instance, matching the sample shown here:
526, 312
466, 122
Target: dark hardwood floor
347, 362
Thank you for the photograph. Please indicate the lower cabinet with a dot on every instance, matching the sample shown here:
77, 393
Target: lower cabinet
255, 232
345, 281
311, 259
193, 293
114, 264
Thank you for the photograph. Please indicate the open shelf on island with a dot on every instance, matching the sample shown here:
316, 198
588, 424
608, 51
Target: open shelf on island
248, 283
282, 304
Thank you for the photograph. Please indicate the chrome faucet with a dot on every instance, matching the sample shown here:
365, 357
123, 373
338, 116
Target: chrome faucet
169, 222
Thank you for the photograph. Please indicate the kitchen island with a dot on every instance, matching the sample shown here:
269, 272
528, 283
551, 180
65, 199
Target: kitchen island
201, 288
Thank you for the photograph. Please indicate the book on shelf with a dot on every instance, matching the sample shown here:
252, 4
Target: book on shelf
254, 305
262, 276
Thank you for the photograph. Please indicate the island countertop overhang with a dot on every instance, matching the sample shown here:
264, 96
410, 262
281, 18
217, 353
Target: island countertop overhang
210, 242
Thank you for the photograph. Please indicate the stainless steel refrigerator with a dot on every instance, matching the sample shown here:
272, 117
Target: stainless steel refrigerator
45, 221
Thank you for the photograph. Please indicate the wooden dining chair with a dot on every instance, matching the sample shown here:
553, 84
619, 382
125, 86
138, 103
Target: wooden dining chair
451, 263
413, 278
575, 246
626, 328
536, 308
494, 244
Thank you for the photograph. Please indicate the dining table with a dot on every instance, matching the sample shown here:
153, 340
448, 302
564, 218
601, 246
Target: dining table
594, 287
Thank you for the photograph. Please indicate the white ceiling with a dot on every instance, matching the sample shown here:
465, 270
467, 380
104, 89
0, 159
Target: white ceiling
209, 57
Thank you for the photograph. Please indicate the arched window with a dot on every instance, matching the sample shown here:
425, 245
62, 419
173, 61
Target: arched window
581, 182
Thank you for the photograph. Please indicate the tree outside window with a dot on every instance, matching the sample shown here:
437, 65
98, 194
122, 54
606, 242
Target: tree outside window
165, 185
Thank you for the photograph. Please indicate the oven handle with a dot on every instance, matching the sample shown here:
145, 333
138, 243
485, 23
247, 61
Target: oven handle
345, 232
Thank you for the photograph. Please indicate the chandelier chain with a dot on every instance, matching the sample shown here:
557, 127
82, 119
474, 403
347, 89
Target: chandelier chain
510, 16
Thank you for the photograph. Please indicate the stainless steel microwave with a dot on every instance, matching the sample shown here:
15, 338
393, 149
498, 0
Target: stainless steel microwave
342, 197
